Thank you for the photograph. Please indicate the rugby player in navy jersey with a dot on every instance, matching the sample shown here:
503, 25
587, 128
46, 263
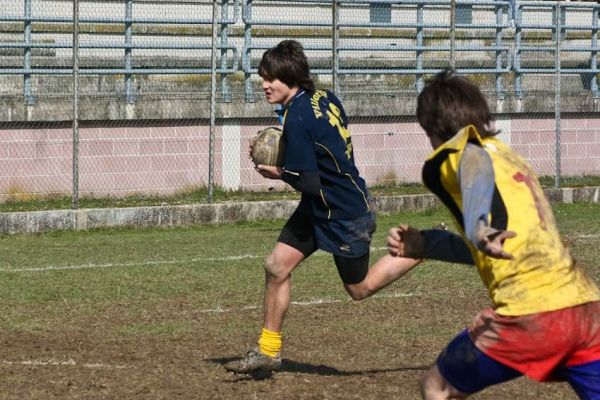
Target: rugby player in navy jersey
335, 213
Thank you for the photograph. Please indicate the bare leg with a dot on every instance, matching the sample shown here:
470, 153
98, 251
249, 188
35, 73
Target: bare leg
278, 282
435, 387
385, 271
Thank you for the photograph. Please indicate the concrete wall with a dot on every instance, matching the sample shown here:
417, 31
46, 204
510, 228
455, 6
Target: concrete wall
164, 157
170, 216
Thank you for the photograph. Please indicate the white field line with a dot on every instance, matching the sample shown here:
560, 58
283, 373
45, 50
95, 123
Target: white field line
132, 264
308, 303
157, 263
69, 362
584, 236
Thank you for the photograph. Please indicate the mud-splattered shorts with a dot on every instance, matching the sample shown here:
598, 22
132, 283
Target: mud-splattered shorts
556, 345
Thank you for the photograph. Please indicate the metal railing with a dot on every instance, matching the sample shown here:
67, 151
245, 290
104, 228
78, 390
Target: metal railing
128, 22
559, 28
506, 42
502, 49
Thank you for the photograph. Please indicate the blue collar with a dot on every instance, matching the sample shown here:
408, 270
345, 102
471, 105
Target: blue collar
280, 109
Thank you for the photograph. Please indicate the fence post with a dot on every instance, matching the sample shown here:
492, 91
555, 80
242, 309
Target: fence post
213, 89
560, 22
419, 52
517, 56
335, 18
557, 85
29, 99
247, 62
452, 32
224, 30
499, 24
593, 59
75, 190
513, 11
129, 89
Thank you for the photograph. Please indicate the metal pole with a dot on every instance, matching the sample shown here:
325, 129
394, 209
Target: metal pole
225, 94
75, 194
420, 43
27, 54
335, 18
129, 90
247, 18
517, 58
557, 85
499, 23
213, 88
594, 60
452, 32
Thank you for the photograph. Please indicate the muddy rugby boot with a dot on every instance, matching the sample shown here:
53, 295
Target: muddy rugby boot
253, 361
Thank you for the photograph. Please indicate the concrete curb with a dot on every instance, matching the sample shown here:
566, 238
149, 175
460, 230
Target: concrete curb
185, 215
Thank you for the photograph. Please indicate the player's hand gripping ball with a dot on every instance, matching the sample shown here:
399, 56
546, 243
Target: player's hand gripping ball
268, 148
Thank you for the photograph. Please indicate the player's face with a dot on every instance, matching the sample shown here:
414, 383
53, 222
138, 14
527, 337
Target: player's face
277, 92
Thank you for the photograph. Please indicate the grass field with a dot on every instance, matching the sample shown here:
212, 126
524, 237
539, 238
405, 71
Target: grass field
154, 313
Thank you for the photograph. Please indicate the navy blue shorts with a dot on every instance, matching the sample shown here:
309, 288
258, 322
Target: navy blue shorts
348, 240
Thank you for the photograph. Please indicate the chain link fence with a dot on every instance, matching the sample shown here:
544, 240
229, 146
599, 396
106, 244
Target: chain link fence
143, 97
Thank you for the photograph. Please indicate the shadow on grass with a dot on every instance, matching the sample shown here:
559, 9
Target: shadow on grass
305, 368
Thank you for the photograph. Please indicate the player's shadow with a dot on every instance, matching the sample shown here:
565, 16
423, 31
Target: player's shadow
305, 368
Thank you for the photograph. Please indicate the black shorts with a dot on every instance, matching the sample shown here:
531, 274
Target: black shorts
347, 240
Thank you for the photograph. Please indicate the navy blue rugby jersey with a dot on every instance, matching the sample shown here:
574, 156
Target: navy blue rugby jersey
317, 139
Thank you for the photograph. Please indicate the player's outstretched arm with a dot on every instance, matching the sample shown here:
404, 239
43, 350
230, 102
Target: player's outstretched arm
433, 244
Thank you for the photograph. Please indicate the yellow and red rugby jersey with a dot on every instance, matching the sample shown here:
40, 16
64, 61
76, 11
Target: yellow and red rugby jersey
542, 276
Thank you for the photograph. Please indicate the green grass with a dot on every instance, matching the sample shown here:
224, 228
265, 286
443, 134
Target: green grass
140, 267
164, 302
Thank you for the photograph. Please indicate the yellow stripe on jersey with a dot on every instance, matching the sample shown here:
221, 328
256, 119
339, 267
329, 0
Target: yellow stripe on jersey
361, 192
542, 276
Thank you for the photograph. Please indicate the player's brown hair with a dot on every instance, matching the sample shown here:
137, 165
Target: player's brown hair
286, 62
449, 102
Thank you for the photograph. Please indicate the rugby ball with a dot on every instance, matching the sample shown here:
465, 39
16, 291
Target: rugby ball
268, 147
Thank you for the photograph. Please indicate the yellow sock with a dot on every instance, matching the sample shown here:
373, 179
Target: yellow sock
269, 342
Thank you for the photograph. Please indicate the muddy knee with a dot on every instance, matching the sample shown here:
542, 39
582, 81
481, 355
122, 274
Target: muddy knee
275, 269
